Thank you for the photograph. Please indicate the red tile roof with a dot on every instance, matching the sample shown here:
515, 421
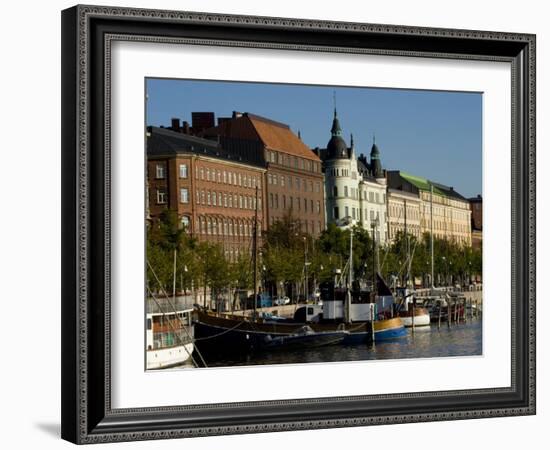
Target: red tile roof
274, 135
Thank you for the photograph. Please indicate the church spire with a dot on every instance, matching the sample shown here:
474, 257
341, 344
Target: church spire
375, 163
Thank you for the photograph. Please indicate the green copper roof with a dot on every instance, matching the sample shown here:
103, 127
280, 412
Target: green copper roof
424, 185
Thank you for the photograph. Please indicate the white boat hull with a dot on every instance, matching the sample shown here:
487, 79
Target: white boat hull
419, 321
169, 357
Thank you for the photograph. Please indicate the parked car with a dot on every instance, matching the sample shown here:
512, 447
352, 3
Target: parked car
279, 301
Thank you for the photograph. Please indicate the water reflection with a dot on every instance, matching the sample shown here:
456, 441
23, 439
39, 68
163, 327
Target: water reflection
426, 342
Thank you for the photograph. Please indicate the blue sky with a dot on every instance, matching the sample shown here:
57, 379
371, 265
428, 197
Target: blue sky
434, 134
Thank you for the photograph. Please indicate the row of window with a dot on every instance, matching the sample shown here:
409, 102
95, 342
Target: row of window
293, 161
294, 203
307, 226
227, 200
219, 176
226, 227
445, 226
445, 200
374, 197
399, 212
394, 229
446, 212
293, 183
341, 173
228, 177
357, 214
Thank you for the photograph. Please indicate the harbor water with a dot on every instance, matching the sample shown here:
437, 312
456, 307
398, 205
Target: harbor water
464, 339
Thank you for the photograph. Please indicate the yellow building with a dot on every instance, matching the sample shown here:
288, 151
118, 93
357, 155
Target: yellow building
449, 210
403, 213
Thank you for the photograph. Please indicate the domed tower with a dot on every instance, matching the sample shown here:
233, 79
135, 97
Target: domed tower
341, 178
336, 147
375, 163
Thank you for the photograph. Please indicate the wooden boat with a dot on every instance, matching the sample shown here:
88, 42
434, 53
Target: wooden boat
169, 338
421, 317
306, 337
237, 333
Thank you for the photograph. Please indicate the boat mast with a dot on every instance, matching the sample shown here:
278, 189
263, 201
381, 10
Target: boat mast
432, 233
255, 253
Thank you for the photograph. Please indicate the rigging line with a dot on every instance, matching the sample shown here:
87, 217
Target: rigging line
174, 329
173, 307
388, 247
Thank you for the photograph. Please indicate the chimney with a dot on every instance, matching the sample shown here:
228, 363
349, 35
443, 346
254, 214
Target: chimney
175, 124
185, 128
237, 114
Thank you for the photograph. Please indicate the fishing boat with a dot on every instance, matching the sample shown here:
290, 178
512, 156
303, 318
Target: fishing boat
169, 337
411, 314
233, 333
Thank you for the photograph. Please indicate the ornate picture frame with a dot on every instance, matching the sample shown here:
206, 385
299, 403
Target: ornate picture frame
87, 35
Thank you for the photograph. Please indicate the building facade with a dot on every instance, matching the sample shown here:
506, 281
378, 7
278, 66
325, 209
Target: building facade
476, 206
213, 195
449, 210
403, 213
355, 189
293, 176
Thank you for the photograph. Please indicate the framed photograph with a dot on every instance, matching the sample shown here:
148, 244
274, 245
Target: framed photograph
282, 224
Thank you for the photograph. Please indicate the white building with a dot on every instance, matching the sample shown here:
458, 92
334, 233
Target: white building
355, 189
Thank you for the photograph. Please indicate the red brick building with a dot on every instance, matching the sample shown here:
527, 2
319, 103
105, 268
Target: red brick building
293, 178
213, 192
476, 206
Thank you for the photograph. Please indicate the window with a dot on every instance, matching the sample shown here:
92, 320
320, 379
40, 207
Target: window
335, 190
208, 198
282, 181
184, 195
202, 173
161, 196
185, 222
208, 174
353, 213
275, 179
345, 191
347, 211
290, 182
305, 204
335, 213
183, 170
214, 199
284, 201
318, 207
160, 171
224, 176
297, 184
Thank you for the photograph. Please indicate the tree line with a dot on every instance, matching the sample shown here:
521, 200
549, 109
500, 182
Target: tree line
288, 257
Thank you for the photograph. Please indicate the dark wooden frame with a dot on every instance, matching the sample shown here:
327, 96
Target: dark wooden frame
87, 31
